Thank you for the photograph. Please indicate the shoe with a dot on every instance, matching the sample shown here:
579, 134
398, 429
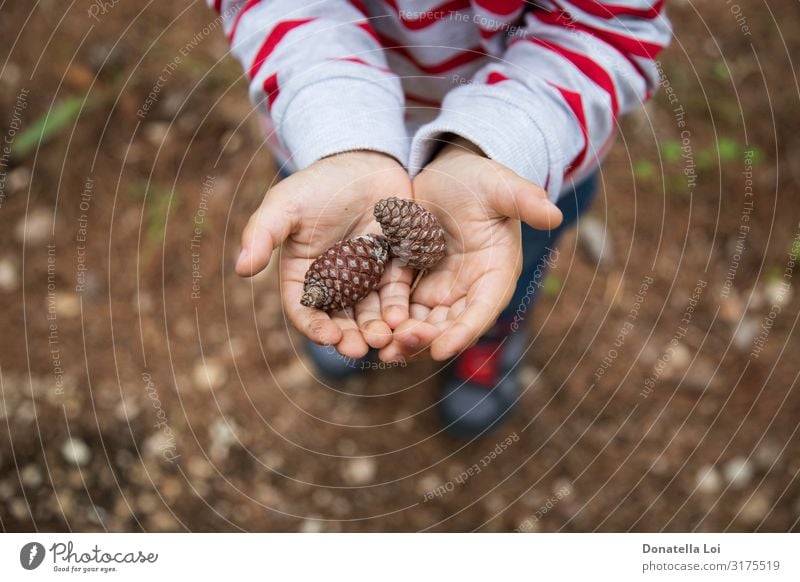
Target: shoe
332, 365
481, 385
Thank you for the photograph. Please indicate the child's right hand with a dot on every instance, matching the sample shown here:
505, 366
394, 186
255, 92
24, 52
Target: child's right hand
308, 212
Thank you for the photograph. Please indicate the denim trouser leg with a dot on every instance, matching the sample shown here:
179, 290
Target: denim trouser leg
538, 247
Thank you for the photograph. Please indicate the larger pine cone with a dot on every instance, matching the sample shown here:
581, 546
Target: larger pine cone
415, 235
345, 273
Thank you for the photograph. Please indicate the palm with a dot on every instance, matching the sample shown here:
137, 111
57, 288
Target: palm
310, 211
455, 303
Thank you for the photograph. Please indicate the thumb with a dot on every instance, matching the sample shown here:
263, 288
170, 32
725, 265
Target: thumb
267, 229
515, 197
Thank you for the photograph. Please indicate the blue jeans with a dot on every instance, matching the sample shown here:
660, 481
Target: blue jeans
538, 251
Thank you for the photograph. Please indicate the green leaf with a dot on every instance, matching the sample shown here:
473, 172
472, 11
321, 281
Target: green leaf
728, 149
47, 126
671, 150
551, 285
721, 70
757, 154
643, 169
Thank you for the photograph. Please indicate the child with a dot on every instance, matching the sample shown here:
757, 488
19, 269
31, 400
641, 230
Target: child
493, 113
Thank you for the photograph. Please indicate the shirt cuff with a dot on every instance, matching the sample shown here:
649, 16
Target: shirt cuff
340, 115
505, 132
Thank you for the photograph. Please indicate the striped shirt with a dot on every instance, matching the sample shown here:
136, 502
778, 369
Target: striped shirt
538, 86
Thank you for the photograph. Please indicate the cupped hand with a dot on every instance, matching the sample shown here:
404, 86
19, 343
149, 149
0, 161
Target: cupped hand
480, 204
308, 212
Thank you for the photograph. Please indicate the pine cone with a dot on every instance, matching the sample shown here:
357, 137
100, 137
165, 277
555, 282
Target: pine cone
345, 273
415, 235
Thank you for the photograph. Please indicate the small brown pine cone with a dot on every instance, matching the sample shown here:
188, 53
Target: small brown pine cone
345, 273
415, 235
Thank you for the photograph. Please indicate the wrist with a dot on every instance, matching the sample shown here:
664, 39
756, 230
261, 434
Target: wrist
455, 145
368, 156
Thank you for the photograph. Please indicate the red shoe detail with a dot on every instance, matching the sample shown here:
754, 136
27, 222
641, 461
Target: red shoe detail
479, 364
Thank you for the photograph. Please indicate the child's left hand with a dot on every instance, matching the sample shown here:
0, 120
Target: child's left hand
479, 203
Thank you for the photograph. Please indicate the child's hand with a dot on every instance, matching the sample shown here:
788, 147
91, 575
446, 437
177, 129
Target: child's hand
306, 213
479, 203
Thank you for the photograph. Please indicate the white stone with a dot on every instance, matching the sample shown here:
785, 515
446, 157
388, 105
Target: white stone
223, 435
67, 304
36, 227
778, 292
678, 358
156, 132
312, 525
31, 476
360, 471
745, 333
9, 278
210, 375
428, 483
738, 472
76, 452
18, 179
708, 480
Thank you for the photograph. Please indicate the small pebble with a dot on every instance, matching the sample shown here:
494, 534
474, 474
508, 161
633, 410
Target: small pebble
767, 455
738, 472
210, 375
222, 437
9, 278
31, 476
76, 452
20, 510
67, 304
708, 480
18, 179
754, 509
529, 375
360, 471
746, 333
678, 358
311, 525
156, 132
428, 483
36, 227
777, 292
731, 308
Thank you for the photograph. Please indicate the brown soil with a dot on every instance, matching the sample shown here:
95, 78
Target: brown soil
218, 383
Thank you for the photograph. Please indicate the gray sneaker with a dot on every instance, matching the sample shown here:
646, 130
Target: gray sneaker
481, 385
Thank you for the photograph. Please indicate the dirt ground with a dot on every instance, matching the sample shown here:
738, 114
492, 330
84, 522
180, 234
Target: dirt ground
146, 387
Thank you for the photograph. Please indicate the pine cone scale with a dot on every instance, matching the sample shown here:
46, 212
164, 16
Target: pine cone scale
414, 234
345, 273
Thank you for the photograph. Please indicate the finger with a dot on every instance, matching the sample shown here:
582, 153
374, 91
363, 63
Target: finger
352, 343
415, 336
316, 325
394, 293
266, 230
517, 198
419, 312
376, 332
473, 322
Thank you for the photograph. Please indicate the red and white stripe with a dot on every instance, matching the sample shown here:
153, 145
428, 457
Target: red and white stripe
579, 63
